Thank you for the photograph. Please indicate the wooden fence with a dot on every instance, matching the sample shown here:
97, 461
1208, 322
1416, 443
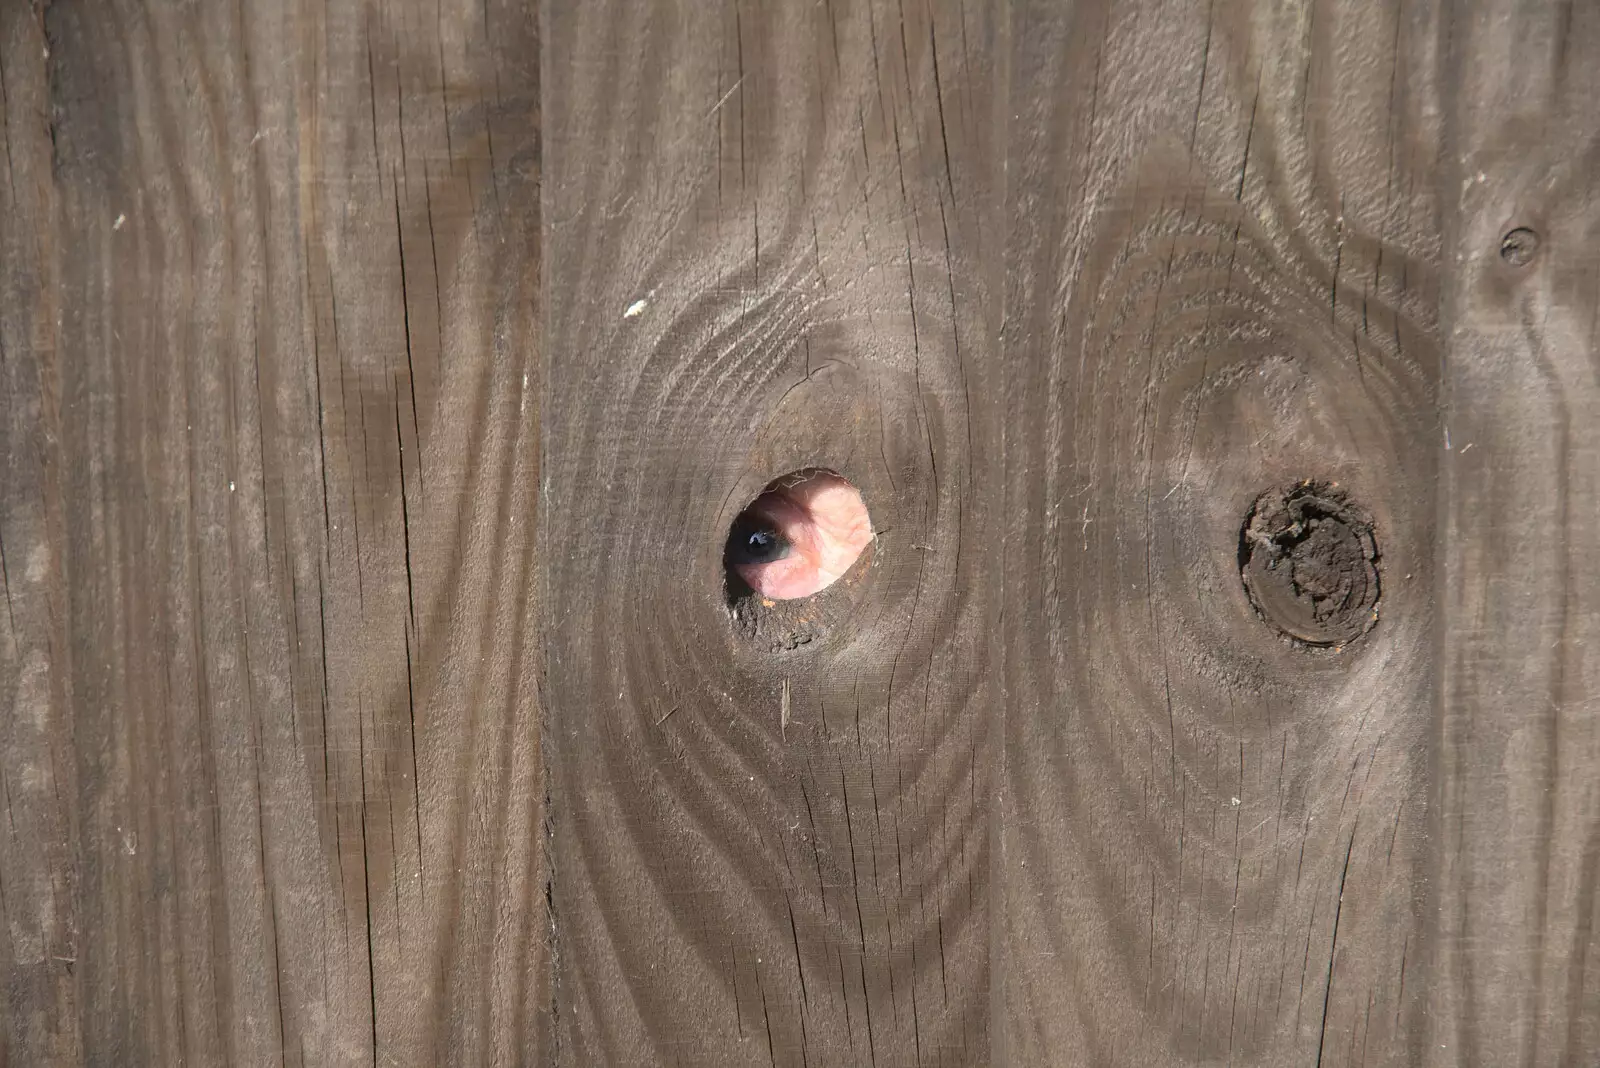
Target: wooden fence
378, 382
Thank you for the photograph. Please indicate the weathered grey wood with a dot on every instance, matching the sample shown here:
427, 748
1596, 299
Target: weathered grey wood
1223, 267
369, 691
1517, 827
271, 743
39, 924
772, 244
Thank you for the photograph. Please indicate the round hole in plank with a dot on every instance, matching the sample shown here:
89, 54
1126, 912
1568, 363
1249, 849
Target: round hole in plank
1519, 246
800, 536
1309, 562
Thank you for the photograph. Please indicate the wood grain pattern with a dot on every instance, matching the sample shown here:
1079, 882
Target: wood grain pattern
772, 245
268, 522
379, 380
1223, 275
38, 774
1518, 798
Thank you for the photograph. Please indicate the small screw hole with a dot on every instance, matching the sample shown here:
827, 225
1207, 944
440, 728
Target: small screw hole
1519, 246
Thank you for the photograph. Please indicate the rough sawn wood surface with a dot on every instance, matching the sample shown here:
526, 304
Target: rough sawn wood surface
378, 383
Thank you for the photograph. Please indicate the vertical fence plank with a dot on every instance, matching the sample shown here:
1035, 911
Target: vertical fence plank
771, 240
1517, 839
40, 928
1223, 272
272, 475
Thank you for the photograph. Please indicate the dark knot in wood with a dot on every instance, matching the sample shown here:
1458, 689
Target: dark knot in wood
1309, 563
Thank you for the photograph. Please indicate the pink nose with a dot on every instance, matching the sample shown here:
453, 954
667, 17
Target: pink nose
800, 536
